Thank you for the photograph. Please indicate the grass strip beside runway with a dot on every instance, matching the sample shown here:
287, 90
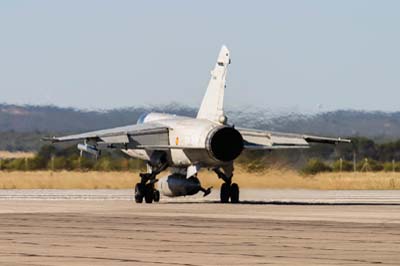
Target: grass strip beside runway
270, 179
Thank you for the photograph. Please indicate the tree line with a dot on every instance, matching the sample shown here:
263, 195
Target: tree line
367, 154
51, 158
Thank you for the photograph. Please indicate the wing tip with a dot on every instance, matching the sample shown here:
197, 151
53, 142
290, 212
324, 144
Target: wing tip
340, 140
52, 139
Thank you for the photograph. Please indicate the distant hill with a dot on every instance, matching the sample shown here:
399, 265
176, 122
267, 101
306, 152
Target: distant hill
30, 122
380, 126
29, 118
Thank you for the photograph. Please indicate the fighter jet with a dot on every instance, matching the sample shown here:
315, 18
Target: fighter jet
187, 144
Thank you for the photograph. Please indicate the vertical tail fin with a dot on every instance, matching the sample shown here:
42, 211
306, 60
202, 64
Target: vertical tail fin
212, 106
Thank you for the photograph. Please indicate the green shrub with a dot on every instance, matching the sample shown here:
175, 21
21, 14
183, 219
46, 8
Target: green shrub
85, 164
369, 166
59, 163
347, 166
388, 167
136, 164
102, 164
19, 164
315, 166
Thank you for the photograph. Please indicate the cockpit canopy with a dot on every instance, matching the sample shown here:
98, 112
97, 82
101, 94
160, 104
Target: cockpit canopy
142, 117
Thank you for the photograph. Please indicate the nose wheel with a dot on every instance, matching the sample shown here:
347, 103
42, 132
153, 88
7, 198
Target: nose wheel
140, 191
146, 192
156, 195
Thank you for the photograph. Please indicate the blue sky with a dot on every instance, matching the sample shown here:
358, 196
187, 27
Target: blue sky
307, 55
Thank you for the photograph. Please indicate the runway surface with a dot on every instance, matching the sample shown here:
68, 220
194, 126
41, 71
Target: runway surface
266, 196
271, 227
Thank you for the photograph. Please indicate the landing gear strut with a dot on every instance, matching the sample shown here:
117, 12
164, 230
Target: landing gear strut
228, 190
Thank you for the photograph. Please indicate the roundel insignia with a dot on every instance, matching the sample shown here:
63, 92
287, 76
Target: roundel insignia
177, 141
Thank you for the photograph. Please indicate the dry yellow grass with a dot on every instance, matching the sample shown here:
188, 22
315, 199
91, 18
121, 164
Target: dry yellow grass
269, 179
13, 155
67, 180
291, 179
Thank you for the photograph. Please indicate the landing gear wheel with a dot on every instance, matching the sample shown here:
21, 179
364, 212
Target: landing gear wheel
234, 193
156, 196
224, 193
139, 192
149, 194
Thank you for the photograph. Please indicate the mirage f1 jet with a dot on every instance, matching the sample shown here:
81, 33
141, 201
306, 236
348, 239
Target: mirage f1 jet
186, 144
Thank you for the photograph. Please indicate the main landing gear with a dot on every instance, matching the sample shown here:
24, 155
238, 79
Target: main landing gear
229, 190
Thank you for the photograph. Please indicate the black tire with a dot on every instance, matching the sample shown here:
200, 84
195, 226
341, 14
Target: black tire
139, 192
234, 193
156, 195
149, 194
224, 193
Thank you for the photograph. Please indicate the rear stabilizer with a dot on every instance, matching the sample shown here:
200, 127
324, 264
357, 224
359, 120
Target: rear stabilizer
212, 106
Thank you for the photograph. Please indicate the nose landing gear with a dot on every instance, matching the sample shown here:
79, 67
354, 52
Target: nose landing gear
146, 191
